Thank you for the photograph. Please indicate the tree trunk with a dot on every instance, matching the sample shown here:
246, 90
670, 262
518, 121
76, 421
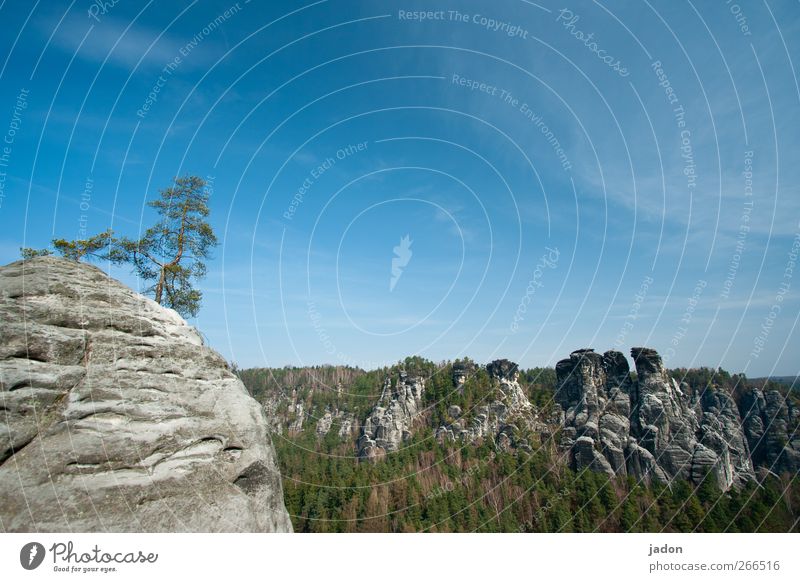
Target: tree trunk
159, 291
160, 286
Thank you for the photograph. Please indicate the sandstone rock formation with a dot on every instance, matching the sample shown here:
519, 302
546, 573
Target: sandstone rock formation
505, 420
650, 429
770, 427
115, 417
461, 371
347, 425
391, 420
333, 419
324, 424
594, 391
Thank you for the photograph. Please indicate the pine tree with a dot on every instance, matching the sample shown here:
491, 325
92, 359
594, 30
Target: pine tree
172, 253
96, 246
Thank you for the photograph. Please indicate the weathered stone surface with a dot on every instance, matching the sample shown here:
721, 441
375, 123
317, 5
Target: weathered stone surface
586, 456
505, 420
347, 424
118, 418
665, 423
503, 370
721, 431
594, 391
391, 420
770, 427
461, 371
324, 423
650, 428
297, 414
642, 464
341, 422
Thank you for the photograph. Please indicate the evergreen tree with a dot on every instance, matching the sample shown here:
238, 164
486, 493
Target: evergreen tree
96, 246
27, 253
172, 253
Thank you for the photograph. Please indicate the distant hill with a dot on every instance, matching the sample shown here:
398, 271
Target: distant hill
792, 381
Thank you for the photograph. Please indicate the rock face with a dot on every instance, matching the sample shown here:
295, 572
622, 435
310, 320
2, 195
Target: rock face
391, 420
324, 424
115, 417
341, 422
594, 391
649, 429
461, 371
505, 420
770, 427
347, 425
296, 425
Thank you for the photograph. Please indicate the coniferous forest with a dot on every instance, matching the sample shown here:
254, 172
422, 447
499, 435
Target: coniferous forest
432, 486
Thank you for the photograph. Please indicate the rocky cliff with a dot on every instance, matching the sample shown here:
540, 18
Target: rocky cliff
115, 417
651, 428
609, 419
770, 427
506, 420
391, 420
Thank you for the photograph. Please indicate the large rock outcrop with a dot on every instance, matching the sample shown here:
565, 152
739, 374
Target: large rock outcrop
115, 417
594, 391
650, 428
391, 420
461, 371
341, 422
507, 419
770, 426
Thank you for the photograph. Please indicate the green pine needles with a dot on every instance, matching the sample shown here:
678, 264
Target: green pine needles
171, 255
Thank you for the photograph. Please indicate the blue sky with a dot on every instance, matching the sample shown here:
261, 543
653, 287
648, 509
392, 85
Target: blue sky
569, 175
